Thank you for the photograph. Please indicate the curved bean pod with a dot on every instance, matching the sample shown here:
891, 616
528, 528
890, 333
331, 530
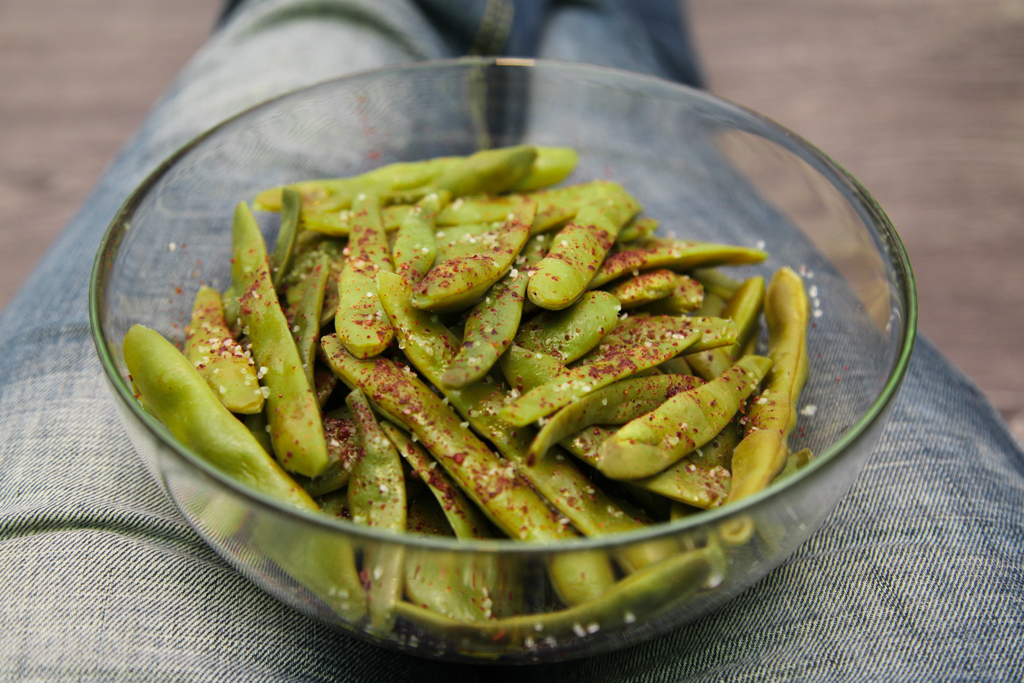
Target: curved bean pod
676, 255
579, 249
570, 333
465, 520
171, 389
291, 406
489, 330
687, 421
762, 453
218, 358
415, 247
617, 403
457, 283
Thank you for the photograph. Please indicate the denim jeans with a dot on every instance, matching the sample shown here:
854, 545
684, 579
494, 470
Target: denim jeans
917, 575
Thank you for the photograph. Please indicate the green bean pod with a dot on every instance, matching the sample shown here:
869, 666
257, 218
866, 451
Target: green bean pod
284, 247
480, 210
676, 255
291, 406
457, 283
645, 288
170, 388
636, 599
570, 333
617, 403
361, 323
376, 497
762, 453
415, 247
551, 166
219, 359
579, 248
490, 328
464, 519
685, 422
717, 282
305, 316
336, 223
687, 297
638, 344
336, 194
638, 228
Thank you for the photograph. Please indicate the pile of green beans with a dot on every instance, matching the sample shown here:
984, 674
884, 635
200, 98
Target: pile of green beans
457, 347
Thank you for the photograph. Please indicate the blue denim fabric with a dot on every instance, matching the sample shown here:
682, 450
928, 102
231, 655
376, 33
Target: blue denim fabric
918, 574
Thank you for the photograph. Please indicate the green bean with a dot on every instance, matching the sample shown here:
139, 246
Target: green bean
685, 422
281, 257
637, 228
687, 297
743, 308
551, 166
490, 171
343, 449
570, 333
218, 358
489, 330
579, 248
638, 598
689, 483
376, 498
291, 407
489, 481
711, 307
794, 463
478, 210
645, 288
171, 389
337, 193
639, 343
676, 255
305, 316
415, 247
360, 323
458, 283
717, 282
525, 369
762, 453
558, 206
617, 403
425, 516
465, 520
430, 348
336, 223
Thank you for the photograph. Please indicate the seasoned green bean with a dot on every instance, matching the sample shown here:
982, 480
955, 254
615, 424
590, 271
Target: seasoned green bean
570, 333
762, 453
172, 390
291, 406
578, 250
685, 422
676, 255
415, 247
220, 360
284, 248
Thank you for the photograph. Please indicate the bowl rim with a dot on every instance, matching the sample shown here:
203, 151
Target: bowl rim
898, 260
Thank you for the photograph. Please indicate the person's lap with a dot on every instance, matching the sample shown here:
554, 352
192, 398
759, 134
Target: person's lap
917, 573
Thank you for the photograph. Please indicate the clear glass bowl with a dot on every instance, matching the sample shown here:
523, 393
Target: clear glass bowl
707, 169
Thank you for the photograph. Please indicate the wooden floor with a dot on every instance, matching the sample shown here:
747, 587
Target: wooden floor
922, 100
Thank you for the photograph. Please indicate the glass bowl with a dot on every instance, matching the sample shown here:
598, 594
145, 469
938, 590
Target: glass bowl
706, 168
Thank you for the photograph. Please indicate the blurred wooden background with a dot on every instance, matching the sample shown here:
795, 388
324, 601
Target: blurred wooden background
922, 100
